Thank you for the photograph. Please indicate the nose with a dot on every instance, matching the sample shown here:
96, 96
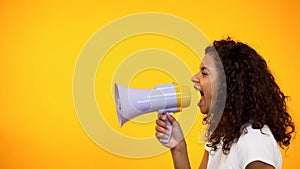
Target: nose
195, 78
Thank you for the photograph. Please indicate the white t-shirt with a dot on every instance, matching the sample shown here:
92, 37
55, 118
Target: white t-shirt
251, 146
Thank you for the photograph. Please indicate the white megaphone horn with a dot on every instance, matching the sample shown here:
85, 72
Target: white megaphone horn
164, 98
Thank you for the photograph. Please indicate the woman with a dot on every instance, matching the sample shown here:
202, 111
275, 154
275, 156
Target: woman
253, 121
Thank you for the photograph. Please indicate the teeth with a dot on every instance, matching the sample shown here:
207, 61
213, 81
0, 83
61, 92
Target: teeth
199, 90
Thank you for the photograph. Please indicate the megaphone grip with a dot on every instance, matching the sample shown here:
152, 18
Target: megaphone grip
166, 140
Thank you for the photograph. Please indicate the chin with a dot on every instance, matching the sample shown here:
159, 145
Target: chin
203, 111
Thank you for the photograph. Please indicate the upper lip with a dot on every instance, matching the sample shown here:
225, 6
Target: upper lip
199, 89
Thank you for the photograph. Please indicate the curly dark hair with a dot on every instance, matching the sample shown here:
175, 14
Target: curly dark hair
252, 97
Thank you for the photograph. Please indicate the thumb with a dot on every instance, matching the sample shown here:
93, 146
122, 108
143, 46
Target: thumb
170, 118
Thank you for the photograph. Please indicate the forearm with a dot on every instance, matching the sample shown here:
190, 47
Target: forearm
180, 156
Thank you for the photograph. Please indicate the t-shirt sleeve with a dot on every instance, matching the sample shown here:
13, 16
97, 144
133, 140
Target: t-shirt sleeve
255, 146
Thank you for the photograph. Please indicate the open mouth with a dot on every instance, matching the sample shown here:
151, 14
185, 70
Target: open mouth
201, 93
199, 90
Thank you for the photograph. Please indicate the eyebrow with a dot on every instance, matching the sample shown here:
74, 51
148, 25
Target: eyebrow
202, 68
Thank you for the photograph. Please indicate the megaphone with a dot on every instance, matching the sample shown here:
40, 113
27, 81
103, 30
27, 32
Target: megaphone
132, 102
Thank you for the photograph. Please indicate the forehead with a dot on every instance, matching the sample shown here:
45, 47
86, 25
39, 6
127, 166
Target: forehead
208, 62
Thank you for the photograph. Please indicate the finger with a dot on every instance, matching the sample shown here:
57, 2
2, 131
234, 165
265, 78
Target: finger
162, 123
170, 118
162, 130
161, 135
162, 117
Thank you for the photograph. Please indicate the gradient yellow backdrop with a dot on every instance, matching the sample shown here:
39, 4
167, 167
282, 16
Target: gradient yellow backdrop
39, 45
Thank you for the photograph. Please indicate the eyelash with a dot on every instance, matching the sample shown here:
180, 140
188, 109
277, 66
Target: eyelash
204, 74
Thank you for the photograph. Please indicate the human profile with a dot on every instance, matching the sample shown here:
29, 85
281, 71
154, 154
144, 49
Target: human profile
254, 121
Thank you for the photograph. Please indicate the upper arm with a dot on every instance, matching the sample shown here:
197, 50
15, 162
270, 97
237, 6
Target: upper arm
204, 161
259, 165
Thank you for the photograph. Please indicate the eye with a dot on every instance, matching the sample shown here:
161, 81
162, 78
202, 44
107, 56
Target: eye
204, 73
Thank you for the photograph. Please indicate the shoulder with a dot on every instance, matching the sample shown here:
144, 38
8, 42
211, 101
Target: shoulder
258, 145
251, 135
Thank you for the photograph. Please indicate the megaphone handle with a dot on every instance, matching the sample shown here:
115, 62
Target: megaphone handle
166, 140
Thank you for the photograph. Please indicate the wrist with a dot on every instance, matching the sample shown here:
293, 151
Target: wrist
180, 147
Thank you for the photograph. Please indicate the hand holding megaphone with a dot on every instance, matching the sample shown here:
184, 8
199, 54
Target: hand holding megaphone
163, 98
162, 130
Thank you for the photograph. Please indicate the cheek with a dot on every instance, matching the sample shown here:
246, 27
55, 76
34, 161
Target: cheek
206, 86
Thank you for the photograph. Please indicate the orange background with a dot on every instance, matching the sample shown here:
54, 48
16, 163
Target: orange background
40, 42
